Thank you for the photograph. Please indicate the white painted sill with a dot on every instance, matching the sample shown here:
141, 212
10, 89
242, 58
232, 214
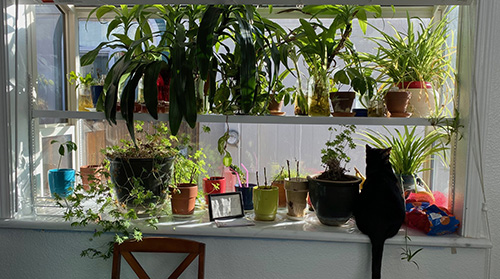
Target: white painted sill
309, 229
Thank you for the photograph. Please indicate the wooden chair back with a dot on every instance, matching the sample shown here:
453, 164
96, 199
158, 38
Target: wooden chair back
158, 245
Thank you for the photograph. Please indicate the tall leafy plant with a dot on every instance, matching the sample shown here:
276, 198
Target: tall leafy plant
140, 57
410, 150
255, 52
419, 54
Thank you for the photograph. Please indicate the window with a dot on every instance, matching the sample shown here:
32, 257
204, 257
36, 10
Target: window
263, 150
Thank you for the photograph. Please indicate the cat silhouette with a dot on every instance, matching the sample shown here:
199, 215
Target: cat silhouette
379, 209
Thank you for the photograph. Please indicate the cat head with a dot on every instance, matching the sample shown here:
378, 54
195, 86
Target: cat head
376, 155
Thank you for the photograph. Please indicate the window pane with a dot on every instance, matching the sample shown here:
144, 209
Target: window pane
50, 60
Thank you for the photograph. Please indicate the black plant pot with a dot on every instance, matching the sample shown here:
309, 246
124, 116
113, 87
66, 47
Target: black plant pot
124, 173
333, 201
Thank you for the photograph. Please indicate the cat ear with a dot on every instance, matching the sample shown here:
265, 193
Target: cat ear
368, 147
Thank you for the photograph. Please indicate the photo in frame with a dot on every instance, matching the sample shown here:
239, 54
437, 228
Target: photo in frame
225, 206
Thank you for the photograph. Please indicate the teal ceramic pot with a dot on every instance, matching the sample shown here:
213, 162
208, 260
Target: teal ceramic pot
333, 201
61, 182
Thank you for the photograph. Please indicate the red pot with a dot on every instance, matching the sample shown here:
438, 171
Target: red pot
214, 185
414, 84
183, 198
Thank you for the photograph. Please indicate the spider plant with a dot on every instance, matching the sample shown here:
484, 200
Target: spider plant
420, 54
409, 149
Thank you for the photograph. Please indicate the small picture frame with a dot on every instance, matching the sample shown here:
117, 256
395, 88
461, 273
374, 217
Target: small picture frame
225, 206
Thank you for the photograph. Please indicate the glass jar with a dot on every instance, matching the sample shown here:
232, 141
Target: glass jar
319, 95
84, 99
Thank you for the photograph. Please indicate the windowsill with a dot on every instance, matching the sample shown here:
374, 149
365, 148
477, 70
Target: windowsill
309, 229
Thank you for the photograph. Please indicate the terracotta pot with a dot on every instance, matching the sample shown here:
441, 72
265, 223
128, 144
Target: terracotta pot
281, 191
297, 190
274, 105
89, 173
423, 99
183, 198
342, 103
214, 185
397, 102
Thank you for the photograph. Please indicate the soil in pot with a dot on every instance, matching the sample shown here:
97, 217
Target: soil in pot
333, 201
183, 198
124, 173
342, 103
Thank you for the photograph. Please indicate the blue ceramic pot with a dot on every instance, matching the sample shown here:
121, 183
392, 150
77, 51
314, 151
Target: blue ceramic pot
96, 93
61, 182
247, 194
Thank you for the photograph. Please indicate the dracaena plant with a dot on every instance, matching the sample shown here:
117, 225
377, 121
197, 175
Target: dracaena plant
232, 73
144, 54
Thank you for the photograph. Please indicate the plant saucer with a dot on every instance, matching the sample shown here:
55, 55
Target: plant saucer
279, 113
400, 114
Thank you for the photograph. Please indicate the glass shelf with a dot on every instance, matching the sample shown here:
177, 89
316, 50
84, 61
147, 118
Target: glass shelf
251, 119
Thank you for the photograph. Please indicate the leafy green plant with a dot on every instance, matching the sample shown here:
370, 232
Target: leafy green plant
254, 53
409, 150
334, 156
320, 48
80, 80
67, 146
417, 55
99, 206
139, 57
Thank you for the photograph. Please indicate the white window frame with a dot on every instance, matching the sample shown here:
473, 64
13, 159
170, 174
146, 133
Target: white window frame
469, 200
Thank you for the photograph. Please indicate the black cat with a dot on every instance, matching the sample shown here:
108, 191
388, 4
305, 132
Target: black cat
379, 209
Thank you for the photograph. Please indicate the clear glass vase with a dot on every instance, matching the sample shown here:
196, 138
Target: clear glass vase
318, 89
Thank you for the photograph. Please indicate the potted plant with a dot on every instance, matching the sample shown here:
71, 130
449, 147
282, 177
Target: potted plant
83, 86
184, 190
418, 60
140, 57
280, 94
333, 192
358, 77
265, 199
297, 190
244, 187
141, 172
396, 102
62, 181
234, 77
409, 151
320, 48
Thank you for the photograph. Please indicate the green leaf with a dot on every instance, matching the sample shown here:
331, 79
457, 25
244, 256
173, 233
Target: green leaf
150, 86
103, 10
248, 70
205, 39
227, 160
89, 57
341, 76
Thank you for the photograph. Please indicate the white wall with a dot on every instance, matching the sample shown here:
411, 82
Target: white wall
55, 254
